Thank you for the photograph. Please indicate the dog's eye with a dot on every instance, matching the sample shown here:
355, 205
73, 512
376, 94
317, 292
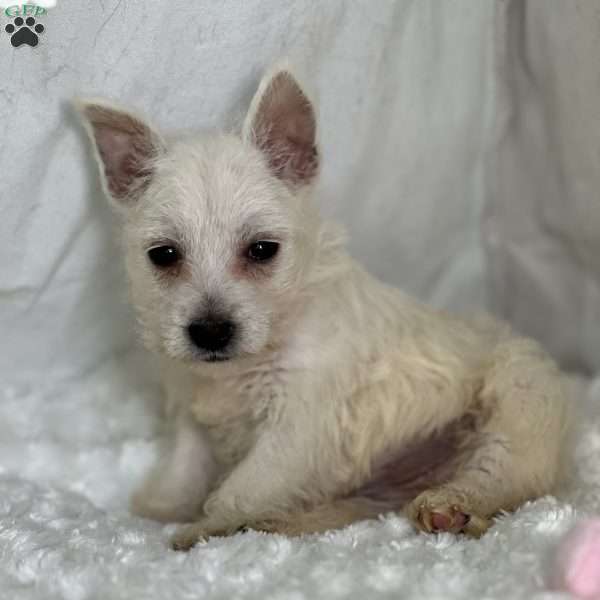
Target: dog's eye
164, 256
263, 250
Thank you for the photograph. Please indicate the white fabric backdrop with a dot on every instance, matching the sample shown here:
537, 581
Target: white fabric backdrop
542, 224
461, 144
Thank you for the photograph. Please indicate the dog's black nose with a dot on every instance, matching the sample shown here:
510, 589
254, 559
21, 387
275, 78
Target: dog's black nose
211, 334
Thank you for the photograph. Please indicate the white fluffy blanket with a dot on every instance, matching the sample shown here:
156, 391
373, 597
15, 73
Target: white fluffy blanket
70, 459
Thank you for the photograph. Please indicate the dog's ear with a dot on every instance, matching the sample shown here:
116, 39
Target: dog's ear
125, 148
281, 122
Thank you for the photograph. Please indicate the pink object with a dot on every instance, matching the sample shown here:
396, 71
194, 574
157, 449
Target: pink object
577, 562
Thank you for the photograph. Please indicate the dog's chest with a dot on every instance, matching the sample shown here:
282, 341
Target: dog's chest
233, 411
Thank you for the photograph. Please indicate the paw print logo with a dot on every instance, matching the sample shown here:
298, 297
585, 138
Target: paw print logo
24, 31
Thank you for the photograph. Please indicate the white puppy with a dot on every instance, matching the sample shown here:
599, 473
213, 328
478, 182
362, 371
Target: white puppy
303, 393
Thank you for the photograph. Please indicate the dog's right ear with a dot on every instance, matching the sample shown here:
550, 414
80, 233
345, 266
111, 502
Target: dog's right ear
282, 124
124, 146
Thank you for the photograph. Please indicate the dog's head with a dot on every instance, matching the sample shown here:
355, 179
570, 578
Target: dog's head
219, 232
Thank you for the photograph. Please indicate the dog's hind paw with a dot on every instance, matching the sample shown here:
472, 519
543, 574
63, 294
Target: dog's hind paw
436, 511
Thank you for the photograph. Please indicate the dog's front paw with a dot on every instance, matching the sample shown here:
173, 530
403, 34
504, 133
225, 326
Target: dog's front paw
187, 536
445, 510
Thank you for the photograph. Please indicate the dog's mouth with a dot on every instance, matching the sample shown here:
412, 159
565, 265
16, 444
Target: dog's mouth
214, 358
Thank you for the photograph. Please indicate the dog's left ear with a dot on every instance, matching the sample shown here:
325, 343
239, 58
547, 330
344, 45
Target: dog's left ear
281, 122
125, 148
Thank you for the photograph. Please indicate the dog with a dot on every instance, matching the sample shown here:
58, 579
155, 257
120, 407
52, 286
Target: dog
302, 394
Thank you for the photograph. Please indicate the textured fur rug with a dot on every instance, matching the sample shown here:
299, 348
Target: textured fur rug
70, 456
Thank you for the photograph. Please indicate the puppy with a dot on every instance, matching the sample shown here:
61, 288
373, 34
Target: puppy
303, 394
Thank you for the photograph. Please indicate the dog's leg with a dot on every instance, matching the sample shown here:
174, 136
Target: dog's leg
179, 484
333, 515
271, 481
326, 517
252, 492
519, 453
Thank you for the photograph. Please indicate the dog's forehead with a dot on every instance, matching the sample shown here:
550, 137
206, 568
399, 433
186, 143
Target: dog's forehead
218, 183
